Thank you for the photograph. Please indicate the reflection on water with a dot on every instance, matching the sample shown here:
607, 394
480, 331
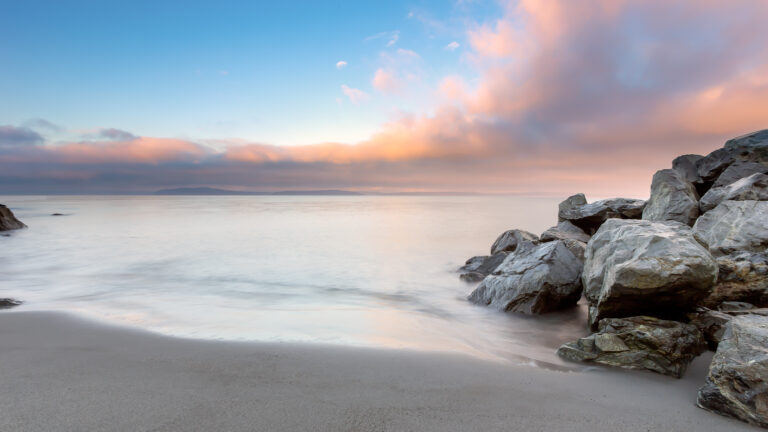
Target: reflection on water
357, 270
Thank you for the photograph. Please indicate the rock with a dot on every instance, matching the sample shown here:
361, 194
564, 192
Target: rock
7, 303
737, 383
477, 268
753, 187
508, 240
589, 217
737, 171
672, 198
640, 342
565, 230
711, 324
742, 277
57, 214
639, 267
752, 142
734, 226
569, 203
686, 166
712, 165
735, 307
576, 247
534, 280
8, 221
747, 148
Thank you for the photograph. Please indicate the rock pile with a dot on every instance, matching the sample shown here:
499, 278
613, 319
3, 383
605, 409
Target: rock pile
663, 278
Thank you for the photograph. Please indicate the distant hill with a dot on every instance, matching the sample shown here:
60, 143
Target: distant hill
214, 191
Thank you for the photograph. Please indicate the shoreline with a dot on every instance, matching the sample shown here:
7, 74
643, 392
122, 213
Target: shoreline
62, 372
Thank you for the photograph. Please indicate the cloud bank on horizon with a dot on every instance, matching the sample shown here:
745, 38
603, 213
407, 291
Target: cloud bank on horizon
564, 97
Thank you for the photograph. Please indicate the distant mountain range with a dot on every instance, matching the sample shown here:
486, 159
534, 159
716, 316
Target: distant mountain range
214, 191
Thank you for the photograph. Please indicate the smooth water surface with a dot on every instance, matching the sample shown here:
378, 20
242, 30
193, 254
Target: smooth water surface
357, 270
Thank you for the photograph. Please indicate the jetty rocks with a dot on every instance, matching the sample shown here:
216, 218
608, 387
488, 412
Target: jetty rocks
8, 221
663, 279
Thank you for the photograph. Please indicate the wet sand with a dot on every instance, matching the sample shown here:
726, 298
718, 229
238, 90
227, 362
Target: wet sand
62, 373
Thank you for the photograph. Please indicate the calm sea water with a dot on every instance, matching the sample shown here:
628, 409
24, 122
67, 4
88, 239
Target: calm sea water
367, 271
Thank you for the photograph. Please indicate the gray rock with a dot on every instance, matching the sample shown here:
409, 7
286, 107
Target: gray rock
639, 267
737, 383
754, 141
565, 230
672, 198
589, 217
576, 247
742, 277
477, 268
734, 226
533, 280
737, 171
712, 165
569, 203
8, 221
711, 323
754, 187
509, 240
686, 166
7, 303
640, 342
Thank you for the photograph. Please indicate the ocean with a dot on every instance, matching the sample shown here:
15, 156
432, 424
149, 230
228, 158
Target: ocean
373, 271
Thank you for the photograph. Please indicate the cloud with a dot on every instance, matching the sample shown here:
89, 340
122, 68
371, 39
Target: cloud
11, 136
452, 46
590, 96
393, 38
116, 134
341, 64
385, 81
399, 69
42, 124
356, 96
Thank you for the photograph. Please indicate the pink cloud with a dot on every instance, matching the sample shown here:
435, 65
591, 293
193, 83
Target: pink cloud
356, 96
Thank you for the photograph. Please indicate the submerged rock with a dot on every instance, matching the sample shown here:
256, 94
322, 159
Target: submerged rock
754, 187
8, 221
477, 268
639, 267
7, 303
742, 277
672, 198
737, 383
734, 226
640, 342
589, 217
565, 230
533, 280
509, 240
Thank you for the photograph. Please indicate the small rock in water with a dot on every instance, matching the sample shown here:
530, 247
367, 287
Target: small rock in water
7, 303
737, 383
641, 342
8, 221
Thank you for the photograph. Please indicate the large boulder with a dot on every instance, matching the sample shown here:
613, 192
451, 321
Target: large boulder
572, 202
589, 217
712, 165
509, 240
535, 279
742, 277
753, 187
640, 342
565, 230
752, 147
755, 142
712, 323
672, 198
8, 221
478, 267
737, 171
734, 226
737, 383
686, 166
639, 267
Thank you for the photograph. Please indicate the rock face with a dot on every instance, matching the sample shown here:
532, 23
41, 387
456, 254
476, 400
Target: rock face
753, 142
8, 221
734, 226
737, 384
7, 303
639, 267
672, 198
589, 217
739, 170
641, 342
565, 230
742, 277
685, 165
535, 279
754, 187
509, 240
477, 268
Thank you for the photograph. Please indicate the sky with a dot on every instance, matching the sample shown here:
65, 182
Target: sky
534, 97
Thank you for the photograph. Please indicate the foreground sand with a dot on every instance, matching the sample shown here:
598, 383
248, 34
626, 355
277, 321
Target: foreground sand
60, 373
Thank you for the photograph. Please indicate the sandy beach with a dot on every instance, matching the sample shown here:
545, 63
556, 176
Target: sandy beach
60, 372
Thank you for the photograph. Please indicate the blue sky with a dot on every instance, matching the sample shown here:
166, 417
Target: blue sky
259, 71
